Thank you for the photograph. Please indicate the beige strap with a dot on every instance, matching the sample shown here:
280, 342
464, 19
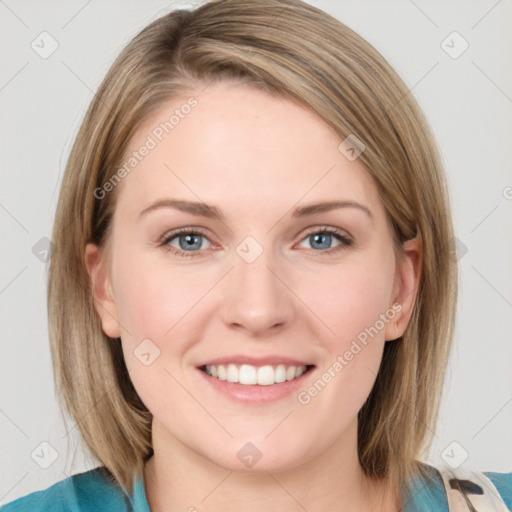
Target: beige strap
489, 501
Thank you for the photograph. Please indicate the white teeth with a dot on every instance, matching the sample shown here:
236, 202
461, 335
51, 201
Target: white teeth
280, 373
221, 371
249, 375
232, 373
266, 376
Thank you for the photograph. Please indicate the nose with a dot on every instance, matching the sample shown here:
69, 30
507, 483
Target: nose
257, 298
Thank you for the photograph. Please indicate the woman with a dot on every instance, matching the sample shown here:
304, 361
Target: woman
252, 288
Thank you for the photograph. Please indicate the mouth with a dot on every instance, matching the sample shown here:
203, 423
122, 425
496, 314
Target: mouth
249, 375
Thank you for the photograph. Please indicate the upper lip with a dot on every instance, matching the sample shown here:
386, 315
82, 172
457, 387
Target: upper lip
255, 361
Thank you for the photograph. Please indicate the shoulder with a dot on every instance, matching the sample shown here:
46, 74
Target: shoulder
426, 491
503, 484
430, 488
90, 491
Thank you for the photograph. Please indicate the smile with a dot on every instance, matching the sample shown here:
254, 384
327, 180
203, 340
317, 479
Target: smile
249, 375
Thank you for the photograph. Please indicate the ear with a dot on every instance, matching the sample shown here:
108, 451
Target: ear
407, 279
95, 261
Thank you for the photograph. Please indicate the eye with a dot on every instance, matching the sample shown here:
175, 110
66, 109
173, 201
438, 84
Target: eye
322, 239
190, 241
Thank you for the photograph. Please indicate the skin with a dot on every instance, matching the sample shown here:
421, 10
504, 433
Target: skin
256, 157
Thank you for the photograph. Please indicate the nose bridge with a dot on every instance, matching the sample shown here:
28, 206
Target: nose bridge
257, 299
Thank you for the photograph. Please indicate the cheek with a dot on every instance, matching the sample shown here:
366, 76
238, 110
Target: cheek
355, 305
350, 299
151, 297
152, 302
350, 306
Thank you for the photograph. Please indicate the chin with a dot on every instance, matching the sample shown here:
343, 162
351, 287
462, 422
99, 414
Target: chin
257, 457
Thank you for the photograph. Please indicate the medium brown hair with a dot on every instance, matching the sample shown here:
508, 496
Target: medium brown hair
291, 49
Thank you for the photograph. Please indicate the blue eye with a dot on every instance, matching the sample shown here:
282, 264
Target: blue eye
322, 239
190, 241
187, 240
326, 239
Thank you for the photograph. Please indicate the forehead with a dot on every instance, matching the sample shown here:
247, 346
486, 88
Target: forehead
238, 142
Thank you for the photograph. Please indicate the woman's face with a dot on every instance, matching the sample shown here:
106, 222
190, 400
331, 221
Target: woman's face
250, 286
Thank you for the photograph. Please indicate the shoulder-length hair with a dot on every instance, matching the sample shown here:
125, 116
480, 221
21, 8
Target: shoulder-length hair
287, 48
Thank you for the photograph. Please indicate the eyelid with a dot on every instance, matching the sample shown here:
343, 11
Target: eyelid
165, 239
178, 231
324, 228
341, 235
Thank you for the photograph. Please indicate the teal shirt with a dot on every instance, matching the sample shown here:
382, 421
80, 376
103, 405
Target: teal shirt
92, 491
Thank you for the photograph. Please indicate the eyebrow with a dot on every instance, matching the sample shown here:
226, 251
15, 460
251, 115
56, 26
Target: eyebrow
205, 210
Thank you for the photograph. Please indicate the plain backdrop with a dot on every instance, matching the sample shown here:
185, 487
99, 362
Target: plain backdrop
466, 94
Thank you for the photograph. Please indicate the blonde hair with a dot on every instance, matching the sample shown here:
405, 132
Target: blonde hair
291, 49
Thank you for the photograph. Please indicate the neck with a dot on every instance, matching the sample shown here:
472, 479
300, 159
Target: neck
177, 478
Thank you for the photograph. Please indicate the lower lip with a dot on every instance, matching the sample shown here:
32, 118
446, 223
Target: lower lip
256, 394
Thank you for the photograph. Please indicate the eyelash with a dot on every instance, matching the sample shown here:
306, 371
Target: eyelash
164, 240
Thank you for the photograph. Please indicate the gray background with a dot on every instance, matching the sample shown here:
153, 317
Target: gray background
467, 100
